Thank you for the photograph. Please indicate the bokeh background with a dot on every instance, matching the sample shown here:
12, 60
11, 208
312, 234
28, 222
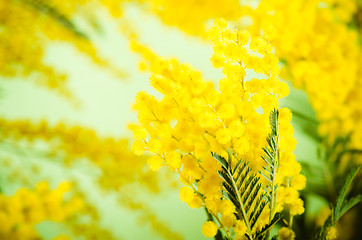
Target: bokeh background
102, 100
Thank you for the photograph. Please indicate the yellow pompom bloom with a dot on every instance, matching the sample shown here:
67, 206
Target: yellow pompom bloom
196, 202
217, 61
243, 37
186, 194
212, 204
139, 132
173, 159
240, 228
220, 23
331, 233
138, 147
228, 220
154, 145
223, 135
226, 207
209, 229
155, 162
237, 129
296, 208
285, 233
298, 182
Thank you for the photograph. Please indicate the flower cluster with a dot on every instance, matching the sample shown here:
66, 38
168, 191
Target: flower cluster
321, 55
118, 165
21, 212
319, 49
192, 16
193, 119
29, 26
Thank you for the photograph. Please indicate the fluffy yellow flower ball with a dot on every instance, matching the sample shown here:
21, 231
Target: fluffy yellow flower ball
186, 194
286, 234
209, 229
331, 233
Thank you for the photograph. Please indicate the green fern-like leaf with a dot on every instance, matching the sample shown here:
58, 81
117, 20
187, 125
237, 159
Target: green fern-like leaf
267, 228
342, 195
342, 205
244, 190
349, 204
271, 160
243, 187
